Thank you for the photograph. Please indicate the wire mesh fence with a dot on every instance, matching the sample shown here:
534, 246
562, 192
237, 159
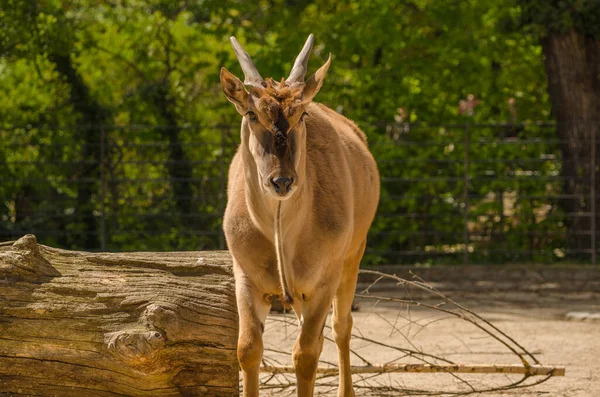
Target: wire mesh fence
454, 193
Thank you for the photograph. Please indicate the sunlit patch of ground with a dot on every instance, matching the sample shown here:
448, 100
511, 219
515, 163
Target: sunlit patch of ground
538, 323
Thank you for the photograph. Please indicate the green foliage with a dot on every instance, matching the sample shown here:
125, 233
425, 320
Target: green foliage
496, 186
559, 16
148, 64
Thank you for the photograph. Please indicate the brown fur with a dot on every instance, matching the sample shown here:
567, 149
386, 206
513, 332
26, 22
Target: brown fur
313, 253
277, 99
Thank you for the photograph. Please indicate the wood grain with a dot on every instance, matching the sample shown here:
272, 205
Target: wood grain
107, 324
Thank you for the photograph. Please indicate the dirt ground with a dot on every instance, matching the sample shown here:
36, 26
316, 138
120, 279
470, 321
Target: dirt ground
533, 313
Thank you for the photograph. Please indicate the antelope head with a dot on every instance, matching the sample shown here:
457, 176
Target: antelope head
273, 122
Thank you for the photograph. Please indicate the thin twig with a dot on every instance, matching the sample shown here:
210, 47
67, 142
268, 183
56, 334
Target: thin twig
369, 380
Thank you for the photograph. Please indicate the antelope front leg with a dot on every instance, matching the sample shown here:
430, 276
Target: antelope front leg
252, 311
341, 320
342, 329
310, 341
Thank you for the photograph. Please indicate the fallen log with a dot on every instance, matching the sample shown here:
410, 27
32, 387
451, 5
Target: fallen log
106, 324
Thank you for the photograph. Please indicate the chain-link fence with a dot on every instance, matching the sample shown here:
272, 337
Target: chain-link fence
472, 193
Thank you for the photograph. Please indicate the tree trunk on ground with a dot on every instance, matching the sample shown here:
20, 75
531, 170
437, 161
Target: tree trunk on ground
102, 324
573, 71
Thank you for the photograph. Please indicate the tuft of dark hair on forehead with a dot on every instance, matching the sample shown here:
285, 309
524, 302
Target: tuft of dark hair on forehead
282, 92
278, 102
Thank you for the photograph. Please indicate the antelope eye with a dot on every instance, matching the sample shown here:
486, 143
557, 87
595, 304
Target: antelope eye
252, 117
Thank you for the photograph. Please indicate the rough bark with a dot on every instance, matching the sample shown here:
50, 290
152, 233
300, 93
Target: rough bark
573, 71
101, 324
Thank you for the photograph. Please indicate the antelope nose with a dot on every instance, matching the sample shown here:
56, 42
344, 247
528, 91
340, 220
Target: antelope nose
281, 183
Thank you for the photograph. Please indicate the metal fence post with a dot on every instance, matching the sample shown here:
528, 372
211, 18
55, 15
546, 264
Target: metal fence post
593, 195
102, 191
466, 197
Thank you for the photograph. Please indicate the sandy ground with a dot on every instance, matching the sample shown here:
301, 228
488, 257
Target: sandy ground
537, 321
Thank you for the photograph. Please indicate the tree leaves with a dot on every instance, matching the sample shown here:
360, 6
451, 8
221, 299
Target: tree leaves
155, 62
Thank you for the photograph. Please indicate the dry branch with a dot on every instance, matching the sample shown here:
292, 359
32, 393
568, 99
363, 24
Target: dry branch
378, 380
535, 370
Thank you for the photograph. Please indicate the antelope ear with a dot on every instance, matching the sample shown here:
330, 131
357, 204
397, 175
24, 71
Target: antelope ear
314, 83
234, 91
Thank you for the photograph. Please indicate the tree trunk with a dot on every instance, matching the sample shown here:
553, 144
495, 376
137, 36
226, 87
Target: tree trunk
573, 71
93, 117
178, 165
100, 324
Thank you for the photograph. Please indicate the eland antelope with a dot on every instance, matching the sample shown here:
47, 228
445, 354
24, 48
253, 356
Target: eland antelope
302, 192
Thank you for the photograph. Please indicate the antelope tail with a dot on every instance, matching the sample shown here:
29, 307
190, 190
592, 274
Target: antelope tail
286, 298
